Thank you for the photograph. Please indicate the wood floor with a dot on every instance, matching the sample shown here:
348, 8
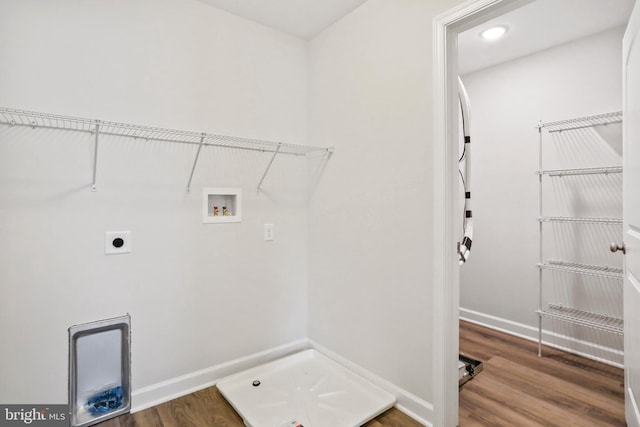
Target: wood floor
517, 388
208, 408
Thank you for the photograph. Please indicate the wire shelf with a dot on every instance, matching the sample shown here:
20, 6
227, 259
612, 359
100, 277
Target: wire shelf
33, 119
583, 122
583, 171
584, 269
584, 128
601, 322
612, 221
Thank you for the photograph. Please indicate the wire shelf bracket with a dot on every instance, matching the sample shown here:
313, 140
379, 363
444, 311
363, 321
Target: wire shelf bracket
275, 153
95, 154
195, 162
100, 128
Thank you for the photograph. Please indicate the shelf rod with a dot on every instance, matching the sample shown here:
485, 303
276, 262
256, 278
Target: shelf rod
591, 267
583, 171
583, 122
614, 221
209, 144
584, 271
597, 321
275, 153
95, 154
585, 126
13, 117
195, 162
38, 126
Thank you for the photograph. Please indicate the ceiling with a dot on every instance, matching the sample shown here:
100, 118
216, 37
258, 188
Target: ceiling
532, 28
538, 26
301, 18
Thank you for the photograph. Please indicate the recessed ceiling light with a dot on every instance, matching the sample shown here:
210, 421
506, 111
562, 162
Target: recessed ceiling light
494, 33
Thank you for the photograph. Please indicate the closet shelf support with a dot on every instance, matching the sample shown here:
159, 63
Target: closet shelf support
195, 162
95, 154
275, 153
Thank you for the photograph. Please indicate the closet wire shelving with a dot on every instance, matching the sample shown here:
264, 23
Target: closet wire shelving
580, 220
33, 119
601, 322
582, 171
598, 321
583, 122
583, 269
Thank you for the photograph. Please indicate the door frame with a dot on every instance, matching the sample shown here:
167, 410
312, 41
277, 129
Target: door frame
446, 282
631, 37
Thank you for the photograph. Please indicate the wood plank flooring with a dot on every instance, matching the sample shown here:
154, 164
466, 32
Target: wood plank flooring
517, 388
208, 408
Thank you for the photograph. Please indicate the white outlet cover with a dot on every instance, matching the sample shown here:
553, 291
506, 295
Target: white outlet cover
268, 232
117, 242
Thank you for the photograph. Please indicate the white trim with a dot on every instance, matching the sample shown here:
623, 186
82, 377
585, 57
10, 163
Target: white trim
416, 408
632, 414
631, 408
155, 394
499, 324
445, 278
586, 349
446, 285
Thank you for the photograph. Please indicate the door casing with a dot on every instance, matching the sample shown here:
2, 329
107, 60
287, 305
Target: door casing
446, 285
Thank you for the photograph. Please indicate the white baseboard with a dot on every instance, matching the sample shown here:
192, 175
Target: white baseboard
416, 408
173, 388
632, 414
566, 343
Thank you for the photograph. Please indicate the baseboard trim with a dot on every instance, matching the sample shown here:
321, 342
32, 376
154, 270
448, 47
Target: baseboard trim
173, 388
592, 351
631, 410
410, 404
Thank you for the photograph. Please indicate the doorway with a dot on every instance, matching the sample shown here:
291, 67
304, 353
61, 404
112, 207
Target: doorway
447, 278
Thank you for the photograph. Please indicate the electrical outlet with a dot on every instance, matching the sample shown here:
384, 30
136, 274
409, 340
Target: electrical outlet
268, 232
117, 242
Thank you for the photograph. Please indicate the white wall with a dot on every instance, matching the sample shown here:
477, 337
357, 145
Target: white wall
370, 290
499, 285
199, 295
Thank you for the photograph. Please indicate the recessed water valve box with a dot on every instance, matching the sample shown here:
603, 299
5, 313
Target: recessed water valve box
117, 242
220, 205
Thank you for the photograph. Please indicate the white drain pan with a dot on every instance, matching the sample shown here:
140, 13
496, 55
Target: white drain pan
305, 389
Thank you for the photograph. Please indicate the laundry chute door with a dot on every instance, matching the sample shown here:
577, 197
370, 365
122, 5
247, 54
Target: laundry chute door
631, 216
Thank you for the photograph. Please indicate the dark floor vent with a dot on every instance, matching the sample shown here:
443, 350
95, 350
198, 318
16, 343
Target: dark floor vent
467, 369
